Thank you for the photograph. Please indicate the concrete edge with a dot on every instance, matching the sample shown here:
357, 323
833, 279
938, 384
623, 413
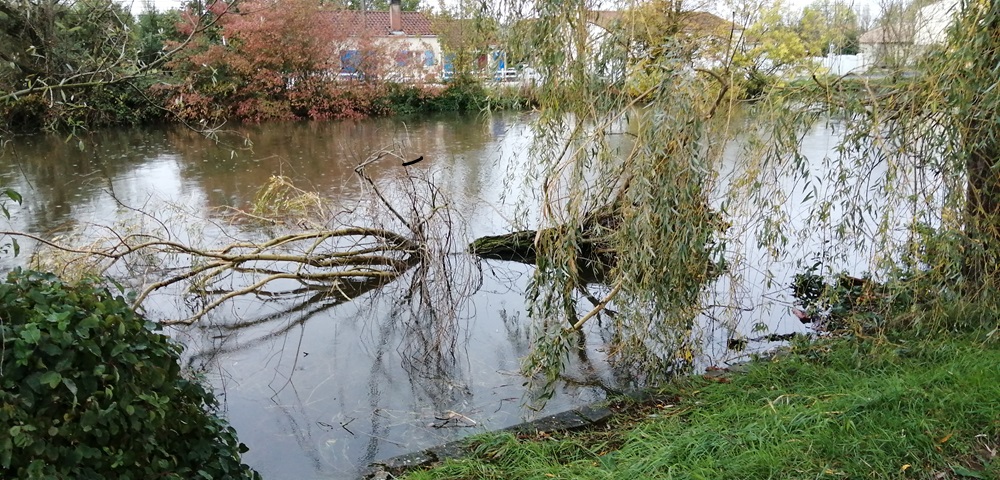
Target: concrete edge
573, 419
590, 415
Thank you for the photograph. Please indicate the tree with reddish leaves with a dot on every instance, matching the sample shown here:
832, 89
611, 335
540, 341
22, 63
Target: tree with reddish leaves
269, 60
200, 77
279, 49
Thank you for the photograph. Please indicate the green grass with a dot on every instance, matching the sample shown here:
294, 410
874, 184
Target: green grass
844, 408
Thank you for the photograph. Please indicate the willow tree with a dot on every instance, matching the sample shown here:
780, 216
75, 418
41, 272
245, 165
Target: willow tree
628, 140
53, 49
827, 25
466, 33
926, 145
969, 66
629, 154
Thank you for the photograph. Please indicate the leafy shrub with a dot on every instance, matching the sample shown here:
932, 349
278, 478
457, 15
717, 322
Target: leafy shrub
110, 105
924, 290
28, 114
408, 99
461, 95
842, 303
757, 85
513, 98
89, 390
98, 106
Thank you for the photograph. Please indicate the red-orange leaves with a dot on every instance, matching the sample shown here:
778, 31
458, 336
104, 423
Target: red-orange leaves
262, 60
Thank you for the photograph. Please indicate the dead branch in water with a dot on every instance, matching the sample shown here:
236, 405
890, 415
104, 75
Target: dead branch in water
324, 257
320, 259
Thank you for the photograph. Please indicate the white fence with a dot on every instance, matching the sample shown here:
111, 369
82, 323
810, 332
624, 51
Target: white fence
843, 64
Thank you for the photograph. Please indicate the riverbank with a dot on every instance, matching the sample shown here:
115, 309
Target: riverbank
848, 407
154, 104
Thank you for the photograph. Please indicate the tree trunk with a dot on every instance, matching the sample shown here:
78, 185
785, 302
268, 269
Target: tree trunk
982, 147
982, 207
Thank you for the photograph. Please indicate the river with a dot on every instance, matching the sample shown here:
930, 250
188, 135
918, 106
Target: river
319, 389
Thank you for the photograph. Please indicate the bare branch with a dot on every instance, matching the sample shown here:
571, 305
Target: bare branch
598, 308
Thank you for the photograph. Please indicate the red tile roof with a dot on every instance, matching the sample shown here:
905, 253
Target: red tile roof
376, 23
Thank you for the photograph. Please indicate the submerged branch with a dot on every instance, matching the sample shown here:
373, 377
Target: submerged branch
597, 308
330, 259
206, 265
257, 287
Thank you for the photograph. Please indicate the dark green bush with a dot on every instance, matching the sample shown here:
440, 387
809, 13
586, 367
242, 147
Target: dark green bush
462, 94
89, 390
403, 99
101, 106
28, 114
114, 104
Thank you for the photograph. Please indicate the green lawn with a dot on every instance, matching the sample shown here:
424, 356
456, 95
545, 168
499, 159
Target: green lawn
843, 408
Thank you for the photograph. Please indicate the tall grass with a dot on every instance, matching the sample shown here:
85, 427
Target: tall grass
857, 408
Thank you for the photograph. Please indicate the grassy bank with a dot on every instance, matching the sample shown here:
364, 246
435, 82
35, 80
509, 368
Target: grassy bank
843, 408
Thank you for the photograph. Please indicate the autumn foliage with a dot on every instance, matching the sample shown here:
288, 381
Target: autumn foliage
269, 60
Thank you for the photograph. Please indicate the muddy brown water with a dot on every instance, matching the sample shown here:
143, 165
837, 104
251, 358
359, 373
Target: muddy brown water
319, 389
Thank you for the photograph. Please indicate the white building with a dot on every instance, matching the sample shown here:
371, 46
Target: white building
895, 45
393, 44
933, 22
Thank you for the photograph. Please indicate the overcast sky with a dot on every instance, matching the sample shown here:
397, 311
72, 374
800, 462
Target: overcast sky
162, 5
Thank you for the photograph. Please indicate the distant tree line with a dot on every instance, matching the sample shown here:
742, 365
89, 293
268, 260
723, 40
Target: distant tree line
69, 65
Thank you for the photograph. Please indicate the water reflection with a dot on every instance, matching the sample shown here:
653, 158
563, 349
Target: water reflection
317, 385
323, 155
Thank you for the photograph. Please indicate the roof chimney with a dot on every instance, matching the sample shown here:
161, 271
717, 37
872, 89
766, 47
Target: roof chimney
395, 17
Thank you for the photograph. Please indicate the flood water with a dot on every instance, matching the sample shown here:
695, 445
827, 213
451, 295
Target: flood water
316, 386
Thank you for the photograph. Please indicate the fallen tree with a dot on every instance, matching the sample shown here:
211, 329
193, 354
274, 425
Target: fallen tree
596, 255
314, 252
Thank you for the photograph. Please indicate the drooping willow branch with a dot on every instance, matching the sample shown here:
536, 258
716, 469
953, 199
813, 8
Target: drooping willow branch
600, 306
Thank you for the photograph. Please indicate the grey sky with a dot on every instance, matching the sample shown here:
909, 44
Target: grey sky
162, 5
